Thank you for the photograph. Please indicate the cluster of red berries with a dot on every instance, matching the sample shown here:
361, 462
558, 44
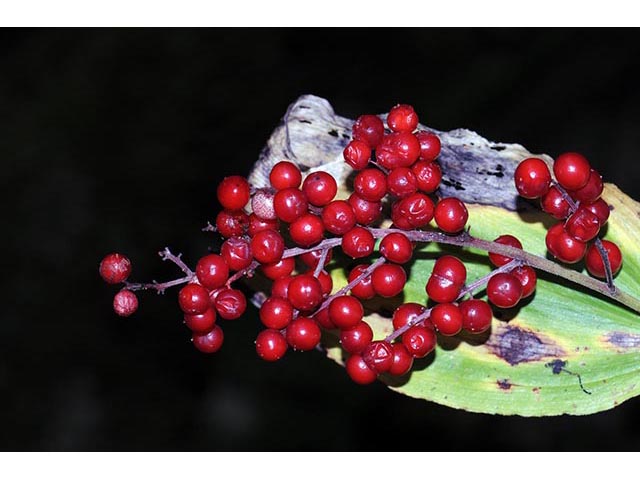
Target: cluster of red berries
574, 199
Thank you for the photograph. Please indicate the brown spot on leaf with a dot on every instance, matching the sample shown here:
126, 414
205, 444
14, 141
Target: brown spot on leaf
504, 384
516, 345
623, 340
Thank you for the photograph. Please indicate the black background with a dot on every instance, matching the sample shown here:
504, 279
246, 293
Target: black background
116, 139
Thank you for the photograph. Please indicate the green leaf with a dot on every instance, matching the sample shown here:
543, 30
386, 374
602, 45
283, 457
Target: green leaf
593, 343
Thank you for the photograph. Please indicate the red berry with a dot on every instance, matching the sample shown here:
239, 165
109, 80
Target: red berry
280, 287
230, 303
366, 212
429, 146
359, 371
446, 280
572, 170
451, 215
396, 247
202, 322
285, 175
338, 217
236, 252
594, 262
354, 339
370, 184
262, 204
311, 259
554, 204
279, 269
527, 278
233, 192
257, 224
267, 246
319, 188
583, 225
476, 315
326, 283
212, 271
307, 230
357, 154
563, 246
601, 209
364, 289
369, 129
500, 260
322, 318
115, 268
358, 242
193, 299
447, 318
532, 178
345, 312
451, 268
428, 175
209, 342
402, 118
271, 345
303, 334
419, 341
401, 182
402, 360
591, 191
289, 204
504, 290
416, 211
388, 280
276, 313
231, 223
398, 149
305, 292
406, 313
378, 356
125, 303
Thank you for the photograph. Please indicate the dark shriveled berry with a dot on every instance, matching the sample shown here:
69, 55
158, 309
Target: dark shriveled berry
230, 304
369, 129
125, 303
357, 154
115, 268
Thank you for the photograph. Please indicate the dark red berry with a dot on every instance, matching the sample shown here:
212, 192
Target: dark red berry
554, 204
402, 360
354, 339
416, 210
285, 175
357, 154
345, 312
572, 170
303, 334
280, 287
289, 204
209, 342
311, 259
428, 175
532, 178
429, 146
231, 223
358, 370
398, 149
366, 212
279, 269
402, 118
500, 260
257, 224
271, 345
601, 209
388, 280
326, 282
230, 303
406, 313
305, 292
583, 224
378, 356
363, 290
396, 248
319, 188
236, 252
276, 313
504, 290
563, 246
201, 323
419, 341
322, 318
267, 246
401, 182
369, 129
115, 268
594, 262
233, 192
451, 215
591, 191
307, 230
262, 204
212, 271
193, 299
125, 303
446, 280
358, 242
447, 318
338, 217
527, 278
476, 315
370, 184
